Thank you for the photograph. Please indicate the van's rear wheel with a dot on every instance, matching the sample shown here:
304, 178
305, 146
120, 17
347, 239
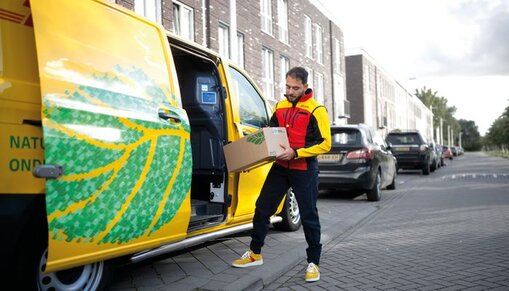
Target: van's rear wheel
291, 215
89, 277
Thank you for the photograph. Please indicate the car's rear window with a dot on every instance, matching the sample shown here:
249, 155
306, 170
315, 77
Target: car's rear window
401, 139
346, 137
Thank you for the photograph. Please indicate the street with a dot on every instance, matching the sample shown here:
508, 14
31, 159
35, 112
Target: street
445, 231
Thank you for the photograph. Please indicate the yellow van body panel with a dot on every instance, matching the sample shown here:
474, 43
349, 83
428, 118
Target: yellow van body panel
76, 91
127, 171
21, 140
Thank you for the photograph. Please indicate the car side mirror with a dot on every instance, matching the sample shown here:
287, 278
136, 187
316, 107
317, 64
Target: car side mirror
389, 146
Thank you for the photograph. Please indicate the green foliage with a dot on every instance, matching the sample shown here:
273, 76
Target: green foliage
470, 137
438, 104
498, 134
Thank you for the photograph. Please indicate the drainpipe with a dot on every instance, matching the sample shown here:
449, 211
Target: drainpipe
233, 31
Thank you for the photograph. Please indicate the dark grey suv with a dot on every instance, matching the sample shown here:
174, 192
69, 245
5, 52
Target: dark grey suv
359, 161
411, 150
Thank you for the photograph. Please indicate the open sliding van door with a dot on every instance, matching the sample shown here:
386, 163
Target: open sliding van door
117, 149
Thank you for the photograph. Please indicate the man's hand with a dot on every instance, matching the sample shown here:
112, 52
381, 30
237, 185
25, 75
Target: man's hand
288, 153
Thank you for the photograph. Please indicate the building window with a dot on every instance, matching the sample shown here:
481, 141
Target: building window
282, 20
266, 14
183, 20
319, 94
223, 38
240, 49
150, 9
337, 56
367, 78
319, 43
285, 67
268, 73
311, 77
308, 37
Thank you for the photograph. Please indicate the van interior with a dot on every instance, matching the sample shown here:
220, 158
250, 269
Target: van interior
203, 99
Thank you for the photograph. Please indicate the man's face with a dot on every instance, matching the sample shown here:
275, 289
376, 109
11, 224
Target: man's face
294, 88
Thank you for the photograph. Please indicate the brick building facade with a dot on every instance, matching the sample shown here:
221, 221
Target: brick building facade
271, 37
379, 100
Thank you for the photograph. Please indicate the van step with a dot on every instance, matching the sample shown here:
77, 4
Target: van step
212, 217
198, 207
201, 207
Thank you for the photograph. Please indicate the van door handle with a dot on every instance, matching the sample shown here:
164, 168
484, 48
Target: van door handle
168, 115
245, 132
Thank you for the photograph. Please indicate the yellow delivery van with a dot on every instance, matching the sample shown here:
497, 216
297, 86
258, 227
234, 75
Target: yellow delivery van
111, 137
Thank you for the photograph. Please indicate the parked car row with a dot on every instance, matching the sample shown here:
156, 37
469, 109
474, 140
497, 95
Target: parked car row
361, 161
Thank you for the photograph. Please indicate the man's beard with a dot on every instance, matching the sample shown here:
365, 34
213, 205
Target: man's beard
295, 98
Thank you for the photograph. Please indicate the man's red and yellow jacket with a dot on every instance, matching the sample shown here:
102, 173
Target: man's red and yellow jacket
308, 128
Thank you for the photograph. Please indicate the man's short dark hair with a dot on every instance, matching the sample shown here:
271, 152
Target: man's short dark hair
298, 73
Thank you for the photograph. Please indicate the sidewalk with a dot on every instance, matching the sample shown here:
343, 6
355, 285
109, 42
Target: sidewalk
208, 266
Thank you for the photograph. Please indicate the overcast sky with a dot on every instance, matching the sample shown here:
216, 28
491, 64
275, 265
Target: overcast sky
459, 48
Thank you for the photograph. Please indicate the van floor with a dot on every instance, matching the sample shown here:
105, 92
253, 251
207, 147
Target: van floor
204, 214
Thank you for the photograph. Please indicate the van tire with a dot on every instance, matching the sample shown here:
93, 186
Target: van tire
94, 276
290, 214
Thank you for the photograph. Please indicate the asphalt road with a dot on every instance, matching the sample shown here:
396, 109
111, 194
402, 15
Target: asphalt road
445, 231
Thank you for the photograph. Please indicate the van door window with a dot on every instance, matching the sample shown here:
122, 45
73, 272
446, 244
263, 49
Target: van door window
252, 109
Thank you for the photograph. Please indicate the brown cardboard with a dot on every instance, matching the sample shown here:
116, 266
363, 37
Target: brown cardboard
256, 149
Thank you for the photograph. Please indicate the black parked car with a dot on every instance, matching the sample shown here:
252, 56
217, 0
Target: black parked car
359, 161
411, 150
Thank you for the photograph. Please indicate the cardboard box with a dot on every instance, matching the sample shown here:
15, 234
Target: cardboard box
256, 149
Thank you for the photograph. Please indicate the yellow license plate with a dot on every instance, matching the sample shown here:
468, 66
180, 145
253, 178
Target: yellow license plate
329, 158
404, 149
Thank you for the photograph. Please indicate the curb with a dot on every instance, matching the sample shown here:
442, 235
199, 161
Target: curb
261, 277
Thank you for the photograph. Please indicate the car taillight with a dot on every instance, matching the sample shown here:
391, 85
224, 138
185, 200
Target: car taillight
366, 154
422, 148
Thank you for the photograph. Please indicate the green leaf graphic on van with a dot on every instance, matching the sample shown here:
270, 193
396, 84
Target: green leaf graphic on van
256, 138
126, 171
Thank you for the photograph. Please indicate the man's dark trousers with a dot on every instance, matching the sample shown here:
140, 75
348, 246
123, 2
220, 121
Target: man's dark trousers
305, 187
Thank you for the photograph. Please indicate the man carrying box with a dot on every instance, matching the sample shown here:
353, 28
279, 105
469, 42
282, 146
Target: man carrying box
308, 128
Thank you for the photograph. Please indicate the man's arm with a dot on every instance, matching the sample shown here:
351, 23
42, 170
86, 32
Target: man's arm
322, 120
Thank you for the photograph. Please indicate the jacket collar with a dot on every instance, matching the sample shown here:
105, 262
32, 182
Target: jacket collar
307, 95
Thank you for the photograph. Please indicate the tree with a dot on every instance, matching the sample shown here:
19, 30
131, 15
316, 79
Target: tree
498, 133
440, 109
470, 137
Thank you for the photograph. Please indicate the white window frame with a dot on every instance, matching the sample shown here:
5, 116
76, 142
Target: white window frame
150, 9
282, 20
223, 40
266, 15
183, 20
240, 49
284, 64
337, 56
311, 77
319, 43
319, 92
268, 73
308, 36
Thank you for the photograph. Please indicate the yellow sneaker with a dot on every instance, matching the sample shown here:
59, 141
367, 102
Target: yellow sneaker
312, 273
248, 259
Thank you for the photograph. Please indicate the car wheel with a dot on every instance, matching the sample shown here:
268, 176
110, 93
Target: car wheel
89, 277
426, 169
392, 186
291, 215
375, 193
